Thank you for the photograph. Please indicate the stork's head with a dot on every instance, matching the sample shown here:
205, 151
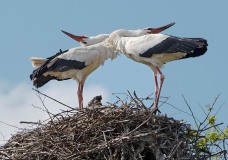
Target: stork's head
86, 41
159, 29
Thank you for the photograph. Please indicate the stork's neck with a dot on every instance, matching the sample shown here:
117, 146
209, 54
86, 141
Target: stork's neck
95, 39
107, 51
118, 38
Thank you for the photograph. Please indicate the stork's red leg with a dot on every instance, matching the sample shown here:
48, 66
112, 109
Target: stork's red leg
82, 86
156, 88
162, 77
80, 96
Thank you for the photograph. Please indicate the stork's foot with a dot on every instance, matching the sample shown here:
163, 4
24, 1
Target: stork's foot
155, 110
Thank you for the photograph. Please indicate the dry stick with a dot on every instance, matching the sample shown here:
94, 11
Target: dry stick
190, 110
174, 150
133, 99
53, 99
123, 103
139, 100
110, 152
214, 154
210, 127
54, 115
10, 125
148, 97
49, 113
5, 154
34, 123
179, 109
138, 126
224, 146
163, 102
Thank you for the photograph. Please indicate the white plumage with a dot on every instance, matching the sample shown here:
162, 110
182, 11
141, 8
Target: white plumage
76, 63
154, 50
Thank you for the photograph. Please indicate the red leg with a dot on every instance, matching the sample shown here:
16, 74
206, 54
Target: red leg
157, 92
80, 96
162, 77
82, 86
156, 88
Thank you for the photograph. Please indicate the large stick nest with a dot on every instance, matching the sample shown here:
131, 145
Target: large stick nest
127, 132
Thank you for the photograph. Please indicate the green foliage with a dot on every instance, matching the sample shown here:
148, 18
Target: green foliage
211, 119
209, 137
226, 131
202, 143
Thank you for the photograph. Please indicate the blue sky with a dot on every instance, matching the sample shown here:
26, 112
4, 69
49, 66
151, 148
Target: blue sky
32, 28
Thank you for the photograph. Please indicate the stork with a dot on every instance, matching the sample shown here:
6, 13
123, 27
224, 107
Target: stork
76, 63
154, 50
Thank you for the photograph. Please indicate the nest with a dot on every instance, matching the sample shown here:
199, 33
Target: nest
127, 132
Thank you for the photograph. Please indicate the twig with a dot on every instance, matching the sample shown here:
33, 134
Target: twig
190, 110
129, 133
210, 127
110, 152
53, 99
140, 101
210, 109
35, 123
219, 152
47, 111
174, 150
10, 125
5, 154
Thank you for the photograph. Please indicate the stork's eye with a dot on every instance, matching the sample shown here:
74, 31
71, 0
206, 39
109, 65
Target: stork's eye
84, 42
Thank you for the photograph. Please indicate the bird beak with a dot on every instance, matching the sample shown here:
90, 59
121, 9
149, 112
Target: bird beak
159, 29
77, 38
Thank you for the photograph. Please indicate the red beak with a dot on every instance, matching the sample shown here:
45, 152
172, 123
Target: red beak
77, 38
159, 29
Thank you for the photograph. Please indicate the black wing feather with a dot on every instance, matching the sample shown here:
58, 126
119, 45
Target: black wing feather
192, 46
60, 65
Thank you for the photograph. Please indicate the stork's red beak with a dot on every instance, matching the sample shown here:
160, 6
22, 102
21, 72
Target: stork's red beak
77, 38
159, 29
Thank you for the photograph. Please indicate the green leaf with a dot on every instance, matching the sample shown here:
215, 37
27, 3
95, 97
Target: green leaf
211, 119
226, 131
213, 137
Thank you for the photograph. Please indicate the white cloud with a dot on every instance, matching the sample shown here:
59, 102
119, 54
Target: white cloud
18, 103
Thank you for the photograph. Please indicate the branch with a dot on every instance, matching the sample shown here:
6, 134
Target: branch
190, 110
53, 99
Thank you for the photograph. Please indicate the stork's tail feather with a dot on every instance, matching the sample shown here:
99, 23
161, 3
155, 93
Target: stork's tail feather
198, 51
37, 62
38, 75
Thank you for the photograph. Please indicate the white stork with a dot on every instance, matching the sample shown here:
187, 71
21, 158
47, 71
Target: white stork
78, 63
154, 50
